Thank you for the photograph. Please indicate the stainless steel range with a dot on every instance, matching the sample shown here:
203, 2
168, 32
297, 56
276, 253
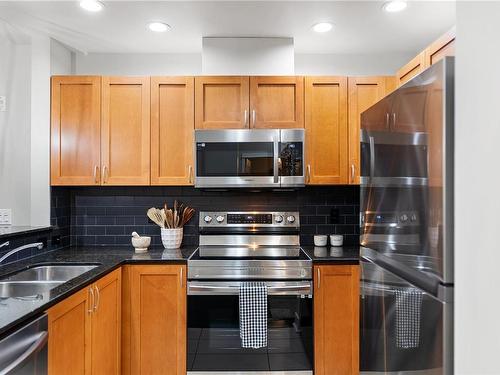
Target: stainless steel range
247, 246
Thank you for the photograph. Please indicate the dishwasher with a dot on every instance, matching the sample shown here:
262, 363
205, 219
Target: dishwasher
24, 352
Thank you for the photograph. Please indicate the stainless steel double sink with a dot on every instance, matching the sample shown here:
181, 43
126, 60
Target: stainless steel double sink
37, 280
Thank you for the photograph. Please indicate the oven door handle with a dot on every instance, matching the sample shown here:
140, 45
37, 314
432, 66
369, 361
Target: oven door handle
233, 288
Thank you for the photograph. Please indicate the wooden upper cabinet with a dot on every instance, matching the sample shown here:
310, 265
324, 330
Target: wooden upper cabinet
336, 320
106, 325
363, 93
125, 135
70, 335
172, 130
277, 102
411, 69
75, 130
221, 102
326, 130
157, 318
444, 46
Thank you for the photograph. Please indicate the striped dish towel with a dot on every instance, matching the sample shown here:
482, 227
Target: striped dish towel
253, 314
408, 306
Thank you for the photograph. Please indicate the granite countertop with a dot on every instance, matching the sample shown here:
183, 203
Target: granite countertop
333, 254
17, 230
14, 311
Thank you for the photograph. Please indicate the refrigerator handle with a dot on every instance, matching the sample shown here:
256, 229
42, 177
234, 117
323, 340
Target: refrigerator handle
372, 157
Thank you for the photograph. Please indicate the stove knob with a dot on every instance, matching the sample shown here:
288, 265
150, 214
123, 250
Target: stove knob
219, 218
290, 219
207, 219
404, 218
278, 219
413, 217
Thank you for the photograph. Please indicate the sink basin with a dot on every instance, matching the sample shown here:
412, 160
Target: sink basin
9, 289
57, 273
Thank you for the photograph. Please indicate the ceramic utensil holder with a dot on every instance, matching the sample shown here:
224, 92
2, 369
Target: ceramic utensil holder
171, 238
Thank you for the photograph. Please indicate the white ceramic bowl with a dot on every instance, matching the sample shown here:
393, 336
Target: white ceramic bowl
320, 240
141, 244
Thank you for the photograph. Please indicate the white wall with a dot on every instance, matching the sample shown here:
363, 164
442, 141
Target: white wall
191, 64
15, 151
62, 60
247, 56
138, 64
477, 182
355, 65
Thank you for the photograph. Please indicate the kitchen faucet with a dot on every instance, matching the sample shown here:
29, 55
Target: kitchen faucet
39, 245
4, 244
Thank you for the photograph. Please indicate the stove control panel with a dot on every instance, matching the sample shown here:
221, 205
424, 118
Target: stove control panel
249, 219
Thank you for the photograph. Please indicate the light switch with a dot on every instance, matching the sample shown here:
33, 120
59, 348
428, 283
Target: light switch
3, 103
5, 216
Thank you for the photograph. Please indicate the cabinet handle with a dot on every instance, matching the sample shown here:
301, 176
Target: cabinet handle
92, 303
245, 117
96, 173
190, 172
104, 174
98, 298
308, 177
318, 271
181, 277
387, 120
394, 119
353, 171
254, 117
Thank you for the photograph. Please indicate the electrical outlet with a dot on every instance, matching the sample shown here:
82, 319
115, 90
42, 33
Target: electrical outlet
5, 216
3, 103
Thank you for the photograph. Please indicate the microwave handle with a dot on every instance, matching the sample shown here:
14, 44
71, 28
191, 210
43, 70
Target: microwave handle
275, 159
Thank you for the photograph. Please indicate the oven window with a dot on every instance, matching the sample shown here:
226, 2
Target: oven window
290, 159
214, 342
224, 159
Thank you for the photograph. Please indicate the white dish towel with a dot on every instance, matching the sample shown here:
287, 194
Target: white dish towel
408, 313
253, 314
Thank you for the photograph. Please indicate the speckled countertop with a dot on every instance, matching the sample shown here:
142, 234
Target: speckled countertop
331, 254
14, 311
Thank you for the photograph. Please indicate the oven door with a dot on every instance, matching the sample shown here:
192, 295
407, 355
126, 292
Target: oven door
236, 158
214, 343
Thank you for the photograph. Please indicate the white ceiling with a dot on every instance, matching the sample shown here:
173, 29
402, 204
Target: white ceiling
361, 27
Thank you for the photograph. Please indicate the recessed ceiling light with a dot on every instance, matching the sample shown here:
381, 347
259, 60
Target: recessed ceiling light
92, 5
159, 27
322, 27
394, 6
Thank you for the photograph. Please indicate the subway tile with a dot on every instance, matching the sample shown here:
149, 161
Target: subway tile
115, 230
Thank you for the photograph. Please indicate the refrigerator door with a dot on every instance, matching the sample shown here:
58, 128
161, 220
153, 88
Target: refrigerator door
407, 173
403, 329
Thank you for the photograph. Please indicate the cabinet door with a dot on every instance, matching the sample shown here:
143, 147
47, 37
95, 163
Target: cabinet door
125, 136
106, 325
336, 320
326, 130
221, 102
363, 93
444, 46
411, 69
172, 129
158, 319
277, 102
69, 335
75, 130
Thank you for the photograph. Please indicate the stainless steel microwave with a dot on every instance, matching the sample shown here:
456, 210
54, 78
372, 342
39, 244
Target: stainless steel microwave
236, 158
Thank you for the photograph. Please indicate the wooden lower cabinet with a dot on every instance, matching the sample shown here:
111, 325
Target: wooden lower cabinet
336, 319
154, 320
84, 330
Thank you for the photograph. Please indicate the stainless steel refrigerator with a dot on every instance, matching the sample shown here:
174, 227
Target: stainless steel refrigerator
406, 218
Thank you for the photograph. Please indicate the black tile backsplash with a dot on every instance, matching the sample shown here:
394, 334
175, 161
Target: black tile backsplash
108, 215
